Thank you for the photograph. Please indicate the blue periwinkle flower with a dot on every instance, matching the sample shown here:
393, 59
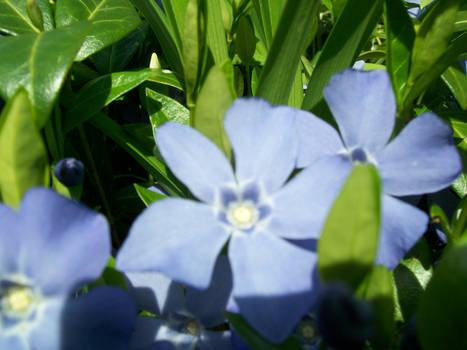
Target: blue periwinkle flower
48, 249
344, 321
254, 208
69, 171
421, 159
182, 319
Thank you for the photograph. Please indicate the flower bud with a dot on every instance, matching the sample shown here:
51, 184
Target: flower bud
69, 171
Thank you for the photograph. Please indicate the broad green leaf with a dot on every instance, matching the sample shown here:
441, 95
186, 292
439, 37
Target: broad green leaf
158, 22
23, 157
148, 196
400, 38
14, 18
100, 92
460, 185
348, 244
193, 47
40, 63
432, 38
254, 340
111, 21
338, 7
47, 15
141, 154
349, 34
411, 277
162, 108
456, 80
216, 39
35, 14
442, 312
213, 101
245, 42
114, 58
289, 42
378, 289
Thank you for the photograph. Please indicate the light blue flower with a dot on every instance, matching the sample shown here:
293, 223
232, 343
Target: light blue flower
182, 319
48, 249
421, 159
255, 209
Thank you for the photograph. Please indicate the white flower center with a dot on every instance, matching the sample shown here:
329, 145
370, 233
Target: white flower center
19, 299
242, 215
192, 327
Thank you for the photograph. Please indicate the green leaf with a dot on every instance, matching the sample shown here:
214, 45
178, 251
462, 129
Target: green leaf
456, 80
99, 92
157, 20
378, 289
176, 11
23, 157
40, 63
111, 21
432, 38
400, 38
214, 99
349, 34
148, 196
35, 14
338, 7
353, 222
254, 340
245, 42
14, 18
289, 42
162, 109
216, 39
296, 90
114, 58
438, 216
442, 312
138, 151
461, 19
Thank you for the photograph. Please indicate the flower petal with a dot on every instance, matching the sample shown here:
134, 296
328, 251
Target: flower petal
48, 332
210, 340
10, 240
194, 159
421, 159
317, 139
264, 141
272, 282
180, 238
145, 332
156, 293
102, 319
363, 106
64, 244
208, 305
301, 207
14, 343
402, 226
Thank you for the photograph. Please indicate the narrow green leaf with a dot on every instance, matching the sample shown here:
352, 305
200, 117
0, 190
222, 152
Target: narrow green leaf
400, 38
433, 37
14, 18
99, 92
111, 21
35, 14
162, 109
148, 196
40, 63
442, 320
461, 19
254, 340
438, 216
338, 7
289, 42
353, 222
378, 289
350, 33
296, 90
216, 39
141, 154
456, 80
263, 16
176, 11
23, 157
214, 99
245, 42
158, 22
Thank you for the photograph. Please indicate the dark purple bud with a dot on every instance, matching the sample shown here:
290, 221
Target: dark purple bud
69, 171
344, 321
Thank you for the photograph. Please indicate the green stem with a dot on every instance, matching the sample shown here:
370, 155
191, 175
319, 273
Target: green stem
100, 189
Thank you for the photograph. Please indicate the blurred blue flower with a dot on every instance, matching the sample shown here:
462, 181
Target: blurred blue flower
255, 207
48, 249
182, 319
69, 171
421, 159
